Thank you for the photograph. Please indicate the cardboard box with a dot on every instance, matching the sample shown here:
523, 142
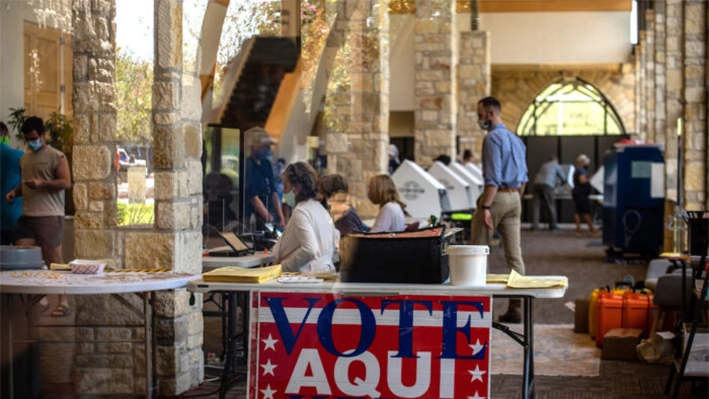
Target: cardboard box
620, 343
581, 316
698, 361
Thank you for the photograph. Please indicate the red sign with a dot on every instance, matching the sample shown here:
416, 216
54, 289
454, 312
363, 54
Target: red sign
327, 346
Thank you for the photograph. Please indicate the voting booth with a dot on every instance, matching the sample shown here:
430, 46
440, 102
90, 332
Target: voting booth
475, 171
457, 188
423, 194
475, 183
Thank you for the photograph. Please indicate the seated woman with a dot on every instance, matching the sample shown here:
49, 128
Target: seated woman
382, 191
308, 241
334, 189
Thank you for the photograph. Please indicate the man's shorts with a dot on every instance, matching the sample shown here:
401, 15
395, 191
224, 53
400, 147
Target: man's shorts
46, 230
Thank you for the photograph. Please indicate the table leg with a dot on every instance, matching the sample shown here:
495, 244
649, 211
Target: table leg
528, 378
148, 323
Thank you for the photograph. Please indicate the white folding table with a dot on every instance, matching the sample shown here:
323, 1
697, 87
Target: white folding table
30, 286
525, 339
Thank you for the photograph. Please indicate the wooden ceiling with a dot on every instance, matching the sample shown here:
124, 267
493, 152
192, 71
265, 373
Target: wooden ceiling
463, 6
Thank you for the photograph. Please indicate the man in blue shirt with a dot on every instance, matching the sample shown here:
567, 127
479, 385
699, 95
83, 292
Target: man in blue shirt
545, 182
500, 205
11, 178
261, 195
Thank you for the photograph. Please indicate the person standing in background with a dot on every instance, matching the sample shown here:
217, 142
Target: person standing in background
467, 156
10, 166
45, 176
394, 161
545, 183
261, 195
500, 205
581, 195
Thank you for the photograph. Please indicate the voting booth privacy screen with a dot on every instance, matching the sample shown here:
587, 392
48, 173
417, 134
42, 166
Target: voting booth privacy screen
424, 196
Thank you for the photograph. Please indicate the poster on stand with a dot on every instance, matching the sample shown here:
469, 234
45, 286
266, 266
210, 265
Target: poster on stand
324, 345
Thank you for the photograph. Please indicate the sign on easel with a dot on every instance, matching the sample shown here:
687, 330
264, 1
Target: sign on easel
321, 345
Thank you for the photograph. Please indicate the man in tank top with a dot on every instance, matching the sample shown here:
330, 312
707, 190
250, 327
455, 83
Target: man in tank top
45, 176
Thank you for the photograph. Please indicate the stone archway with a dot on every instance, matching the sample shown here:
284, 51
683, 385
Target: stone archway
517, 87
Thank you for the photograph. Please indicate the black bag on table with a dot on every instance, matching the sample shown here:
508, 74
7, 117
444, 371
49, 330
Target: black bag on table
416, 257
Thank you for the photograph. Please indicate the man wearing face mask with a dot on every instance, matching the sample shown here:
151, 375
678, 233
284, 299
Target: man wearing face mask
45, 176
261, 195
500, 205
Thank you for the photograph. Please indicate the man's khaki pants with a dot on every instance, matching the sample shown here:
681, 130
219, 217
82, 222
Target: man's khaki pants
506, 212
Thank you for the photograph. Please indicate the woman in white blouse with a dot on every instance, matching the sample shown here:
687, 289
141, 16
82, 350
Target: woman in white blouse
382, 191
308, 241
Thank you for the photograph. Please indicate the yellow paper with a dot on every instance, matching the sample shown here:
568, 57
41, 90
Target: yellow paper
519, 281
59, 266
234, 274
497, 278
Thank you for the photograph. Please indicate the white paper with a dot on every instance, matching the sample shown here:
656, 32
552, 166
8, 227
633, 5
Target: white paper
657, 180
668, 335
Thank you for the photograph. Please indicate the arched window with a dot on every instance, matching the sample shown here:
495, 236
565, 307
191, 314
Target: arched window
570, 107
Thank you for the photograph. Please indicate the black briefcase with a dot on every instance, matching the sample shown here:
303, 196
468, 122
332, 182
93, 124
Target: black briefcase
416, 257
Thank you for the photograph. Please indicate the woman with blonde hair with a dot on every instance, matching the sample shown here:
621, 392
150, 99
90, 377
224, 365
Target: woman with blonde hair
382, 191
308, 241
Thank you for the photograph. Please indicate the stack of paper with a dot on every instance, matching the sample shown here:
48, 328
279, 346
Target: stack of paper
497, 278
517, 280
234, 274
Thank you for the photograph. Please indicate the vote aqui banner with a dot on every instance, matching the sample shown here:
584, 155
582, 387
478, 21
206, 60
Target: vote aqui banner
324, 346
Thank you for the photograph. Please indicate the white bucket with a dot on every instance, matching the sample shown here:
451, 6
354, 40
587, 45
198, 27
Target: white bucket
468, 264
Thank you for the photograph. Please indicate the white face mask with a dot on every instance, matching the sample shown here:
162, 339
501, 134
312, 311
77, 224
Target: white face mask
290, 198
484, 124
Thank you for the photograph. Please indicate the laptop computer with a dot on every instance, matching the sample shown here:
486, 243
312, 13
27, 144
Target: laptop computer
235, 246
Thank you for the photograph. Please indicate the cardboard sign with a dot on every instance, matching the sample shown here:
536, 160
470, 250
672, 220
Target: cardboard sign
321, 346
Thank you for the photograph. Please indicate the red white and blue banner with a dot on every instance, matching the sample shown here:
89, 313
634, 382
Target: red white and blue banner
322, 346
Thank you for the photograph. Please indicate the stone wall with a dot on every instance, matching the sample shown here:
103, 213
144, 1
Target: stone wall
436, 57
174, 242
474, 80
517, 86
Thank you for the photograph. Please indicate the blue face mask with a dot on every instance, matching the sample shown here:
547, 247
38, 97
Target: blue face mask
34, 144
264, 154
289, 198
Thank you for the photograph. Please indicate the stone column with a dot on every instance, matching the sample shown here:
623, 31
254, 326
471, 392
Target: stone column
649, 76
660, 78
474, 82
357, 105
694, 173
640, 90
435, 49
673, 91
176, 242
94, 177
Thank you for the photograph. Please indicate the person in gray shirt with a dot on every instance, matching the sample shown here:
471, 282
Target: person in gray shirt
500, 205
545, 183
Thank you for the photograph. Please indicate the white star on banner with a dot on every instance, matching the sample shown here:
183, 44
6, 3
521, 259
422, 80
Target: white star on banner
268, 392
476, 396
268, 368
477, 374
270, 343
477, 347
